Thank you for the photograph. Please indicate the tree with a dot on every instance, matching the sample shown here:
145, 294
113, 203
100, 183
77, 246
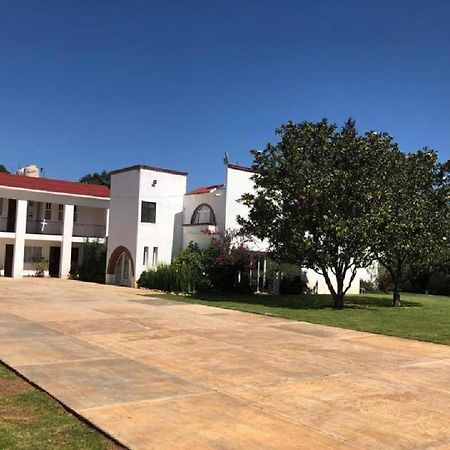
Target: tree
227, 262
3, 169
413, 221
315, 196
103, 178
94, 262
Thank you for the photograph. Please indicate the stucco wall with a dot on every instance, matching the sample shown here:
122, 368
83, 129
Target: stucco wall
124, 207
166, 233
128, 190
216, 200
239, 182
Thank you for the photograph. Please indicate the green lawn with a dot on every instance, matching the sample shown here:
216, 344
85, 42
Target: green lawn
31, 419
423, 317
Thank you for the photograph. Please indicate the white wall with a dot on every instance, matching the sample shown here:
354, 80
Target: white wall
167, 232
123, 213
216, 200
239, 182
318, 284
128, 189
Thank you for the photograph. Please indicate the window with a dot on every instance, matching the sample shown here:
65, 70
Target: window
145, 261
155, 256
148, 212
60, 212
32, 254
48, 211
75, 213
1, 206
203, 215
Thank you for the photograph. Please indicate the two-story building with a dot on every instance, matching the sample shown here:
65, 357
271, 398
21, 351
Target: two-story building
146, 219
152, 218
47, 220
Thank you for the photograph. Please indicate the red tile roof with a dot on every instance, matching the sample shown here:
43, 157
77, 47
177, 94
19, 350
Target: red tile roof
205, 189
49, 185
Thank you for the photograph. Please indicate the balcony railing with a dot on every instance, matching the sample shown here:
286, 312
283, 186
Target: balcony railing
88, 230
44, 227
4, 224
56, 228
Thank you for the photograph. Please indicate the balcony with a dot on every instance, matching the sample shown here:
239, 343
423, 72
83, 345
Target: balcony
56, 228
89, 230
3, 224
44, 227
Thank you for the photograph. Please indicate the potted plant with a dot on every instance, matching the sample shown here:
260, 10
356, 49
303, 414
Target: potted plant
41, 267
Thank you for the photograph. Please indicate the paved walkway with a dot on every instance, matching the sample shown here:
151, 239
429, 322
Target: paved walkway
163, 375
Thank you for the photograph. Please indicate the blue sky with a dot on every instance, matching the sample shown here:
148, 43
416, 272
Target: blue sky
92, 85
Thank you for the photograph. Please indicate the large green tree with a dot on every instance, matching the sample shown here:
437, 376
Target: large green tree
413, 218
316, 192
3, 169
103, 178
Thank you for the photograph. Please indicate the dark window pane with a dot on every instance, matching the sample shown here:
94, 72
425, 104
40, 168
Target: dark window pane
148, 212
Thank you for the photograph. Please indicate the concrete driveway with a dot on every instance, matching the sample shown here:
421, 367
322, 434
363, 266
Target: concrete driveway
157, 374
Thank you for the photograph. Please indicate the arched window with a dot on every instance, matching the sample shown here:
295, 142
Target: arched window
203, 214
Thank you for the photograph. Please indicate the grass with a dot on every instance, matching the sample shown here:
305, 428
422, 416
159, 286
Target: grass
422, 317
30, 419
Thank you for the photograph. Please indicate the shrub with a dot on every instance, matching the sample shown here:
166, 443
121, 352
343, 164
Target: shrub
293, 285
222, 265
163, 278
439, 283
227, 264
94, 262
368, 286
190, 268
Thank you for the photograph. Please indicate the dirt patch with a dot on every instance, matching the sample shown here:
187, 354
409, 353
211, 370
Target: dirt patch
12, 386
16, 415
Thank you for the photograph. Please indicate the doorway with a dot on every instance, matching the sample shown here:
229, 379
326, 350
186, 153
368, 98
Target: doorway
9, 257
53, 261
122, 271
74, 260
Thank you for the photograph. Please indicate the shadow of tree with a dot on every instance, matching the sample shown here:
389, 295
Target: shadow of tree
303, 301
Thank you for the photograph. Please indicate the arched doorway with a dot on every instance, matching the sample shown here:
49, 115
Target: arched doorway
121, 266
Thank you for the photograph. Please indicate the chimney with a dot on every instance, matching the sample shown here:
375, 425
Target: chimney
29, 171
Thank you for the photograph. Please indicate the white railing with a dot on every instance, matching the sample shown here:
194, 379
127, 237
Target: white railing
89, 230
56, 228
44, 227
4, 224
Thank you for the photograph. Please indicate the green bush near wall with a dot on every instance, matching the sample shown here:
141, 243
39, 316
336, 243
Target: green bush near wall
94, 262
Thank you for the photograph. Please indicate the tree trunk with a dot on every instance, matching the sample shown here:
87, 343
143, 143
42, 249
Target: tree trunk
338, 293
396, 294
339, 300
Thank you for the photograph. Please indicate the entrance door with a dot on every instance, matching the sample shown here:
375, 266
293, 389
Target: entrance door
9, 256
53, 261
123, 270
11, 221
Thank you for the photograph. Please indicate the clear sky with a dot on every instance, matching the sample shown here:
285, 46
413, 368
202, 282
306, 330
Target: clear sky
93, 85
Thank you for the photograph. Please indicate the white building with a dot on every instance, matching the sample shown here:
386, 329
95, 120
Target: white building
48, 220
152, 218
146, 219
145, 225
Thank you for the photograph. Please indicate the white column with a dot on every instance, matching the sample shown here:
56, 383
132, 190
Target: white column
19, 241
107, 223
66, 244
